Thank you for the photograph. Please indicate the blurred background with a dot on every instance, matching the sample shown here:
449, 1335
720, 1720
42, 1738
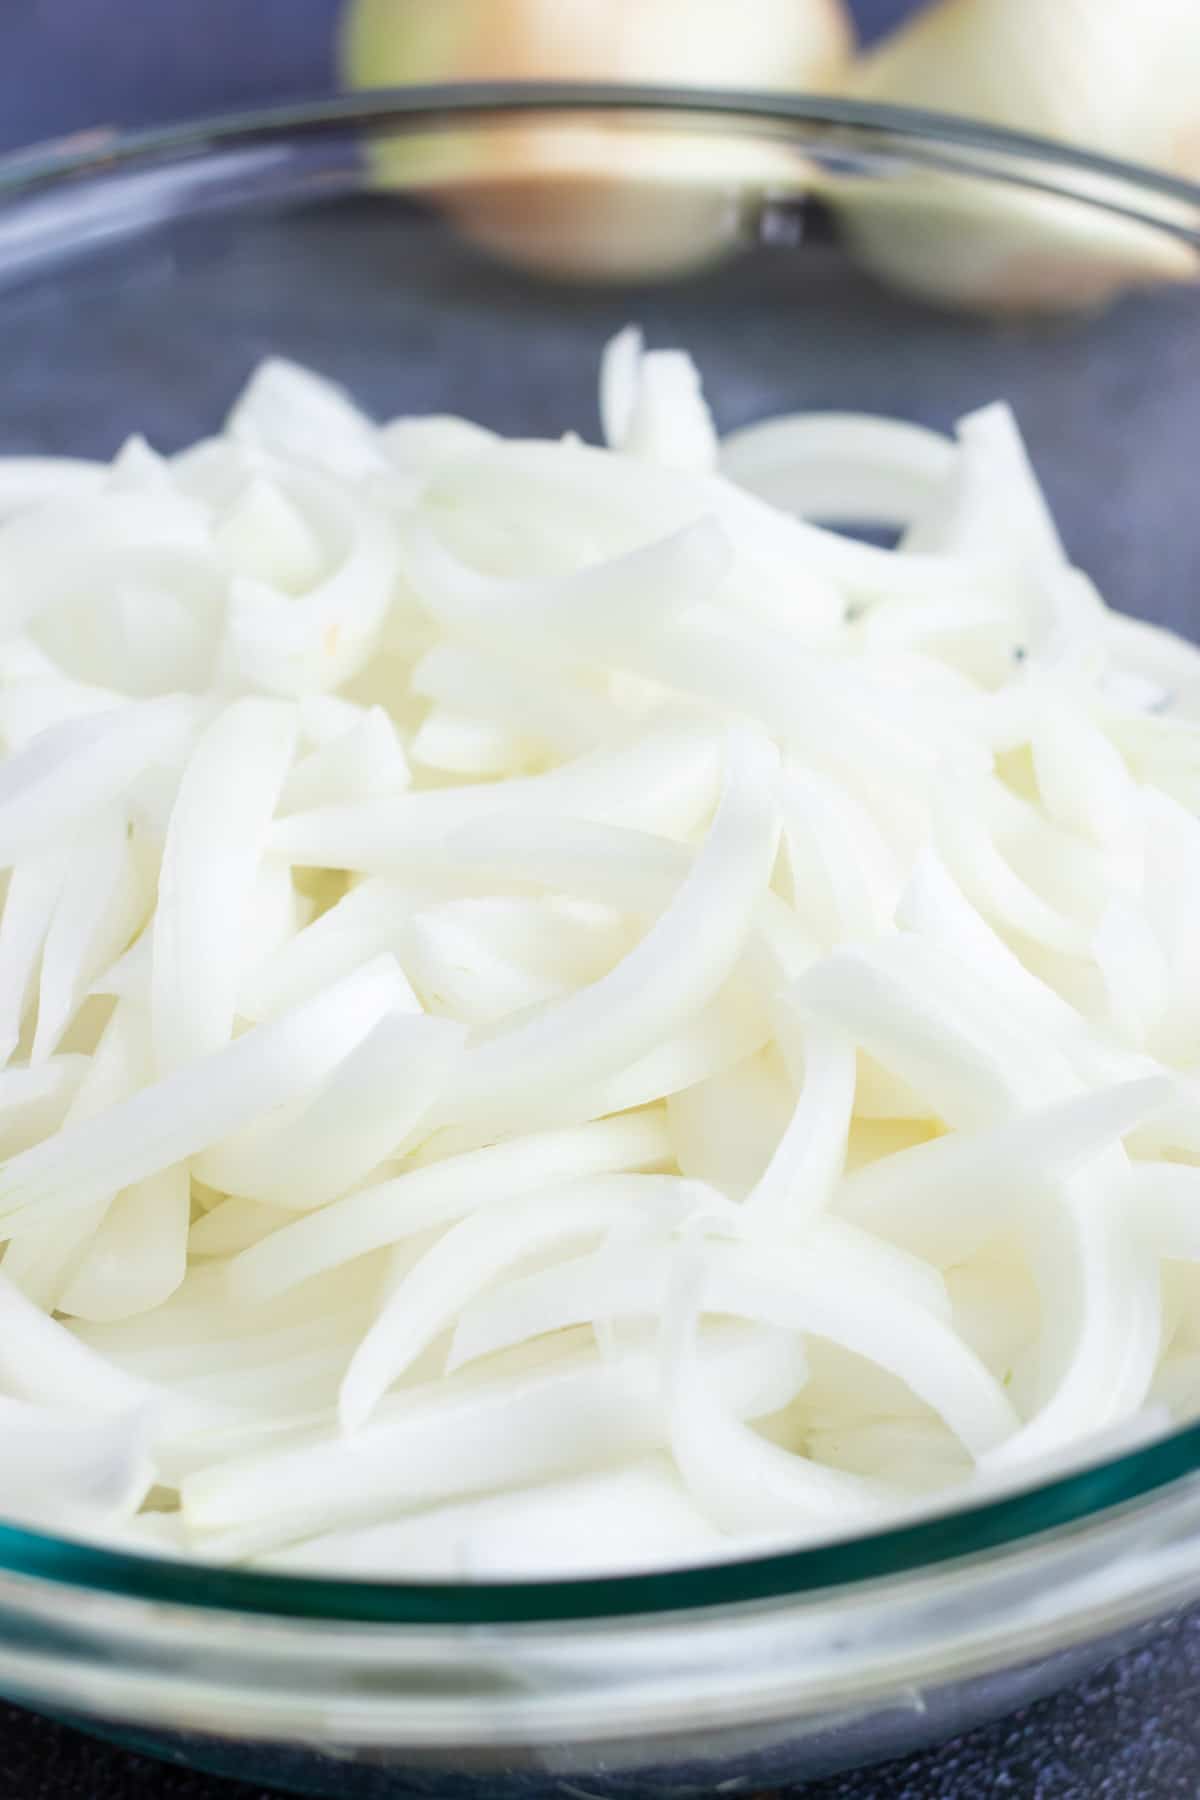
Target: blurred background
67, 65
1094, 74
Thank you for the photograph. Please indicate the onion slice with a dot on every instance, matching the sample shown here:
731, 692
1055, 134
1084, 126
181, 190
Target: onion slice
210, 862
442, 1192
186, 1111
676, 969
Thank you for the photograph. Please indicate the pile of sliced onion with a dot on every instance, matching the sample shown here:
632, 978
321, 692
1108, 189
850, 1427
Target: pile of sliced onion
561, 1012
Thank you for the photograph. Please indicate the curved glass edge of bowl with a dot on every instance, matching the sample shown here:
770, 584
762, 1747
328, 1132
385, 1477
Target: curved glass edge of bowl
944, 142
935, 1540
927, 1544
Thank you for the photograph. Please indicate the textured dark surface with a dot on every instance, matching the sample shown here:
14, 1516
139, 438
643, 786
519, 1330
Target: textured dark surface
1132, 1733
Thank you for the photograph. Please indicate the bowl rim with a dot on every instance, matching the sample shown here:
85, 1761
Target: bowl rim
967, 1536
948, 141
935, 1541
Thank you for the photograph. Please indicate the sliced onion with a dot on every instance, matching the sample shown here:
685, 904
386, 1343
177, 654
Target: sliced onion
731, 1028
35, 1100
652, 406
665, 782
611, 1522
742, 1480
634, 871
138, 1256
364, 760
988, 879
34, 889
50, 552
473, 748
1082, 778
799, 1180
62, 1468
442, 1192
35, 702
232, 1225
1102, 1316
29, 480
265, 535
992, 500
556, 720
623, 503
677, 968
70, 770
463, 965
41, 1362
842, 872
361, 925
600, 613
186, 1111
357, 1118
841, 468
312, 642
290, 412
476, 1251
215, 842
724, 1129
444, 1441
538, 979
1164, 1208
919, 1013
1134, 971
100, 905
794, 1291
947, 1198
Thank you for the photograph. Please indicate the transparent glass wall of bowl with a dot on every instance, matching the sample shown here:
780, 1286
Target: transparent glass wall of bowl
626, 1686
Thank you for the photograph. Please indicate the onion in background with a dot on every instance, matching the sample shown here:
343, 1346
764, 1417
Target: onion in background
609, 199
587, 197
1098, 74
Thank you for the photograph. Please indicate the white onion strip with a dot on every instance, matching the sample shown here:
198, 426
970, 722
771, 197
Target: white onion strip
841, 468
477, 1251
947, 1198
666, 782
178, 1116
676, 969
71, 1468
794, 1291
70, 770
138, 1256
358, 1118
442, 1192
799, 1180
1100, 1291
472, 1436
98, 910
210, 861
745, 1482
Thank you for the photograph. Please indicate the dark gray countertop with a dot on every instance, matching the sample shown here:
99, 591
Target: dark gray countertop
1132, 1733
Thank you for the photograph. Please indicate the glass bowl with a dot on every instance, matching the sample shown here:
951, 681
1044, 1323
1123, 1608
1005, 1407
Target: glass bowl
140, 281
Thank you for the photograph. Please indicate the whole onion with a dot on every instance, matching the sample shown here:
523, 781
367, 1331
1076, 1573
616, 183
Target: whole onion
589, 196
1091, 73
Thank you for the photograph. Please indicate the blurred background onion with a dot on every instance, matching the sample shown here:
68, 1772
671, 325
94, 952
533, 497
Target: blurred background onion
596, 199
609, 200
1104, 75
